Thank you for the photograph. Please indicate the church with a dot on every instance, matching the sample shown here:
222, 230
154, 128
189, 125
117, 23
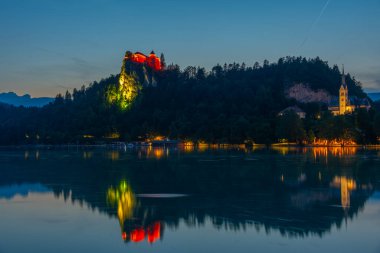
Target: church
346, 104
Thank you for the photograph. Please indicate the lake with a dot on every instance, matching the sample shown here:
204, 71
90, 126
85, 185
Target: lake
190, 200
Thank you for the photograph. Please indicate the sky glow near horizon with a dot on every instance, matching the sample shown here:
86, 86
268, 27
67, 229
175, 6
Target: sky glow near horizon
48, 47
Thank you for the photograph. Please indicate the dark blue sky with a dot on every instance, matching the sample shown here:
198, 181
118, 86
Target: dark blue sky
49, 46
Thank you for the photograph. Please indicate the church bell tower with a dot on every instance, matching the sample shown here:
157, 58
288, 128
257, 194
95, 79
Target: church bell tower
343, 96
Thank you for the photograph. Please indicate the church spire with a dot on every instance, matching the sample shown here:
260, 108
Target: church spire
343, 77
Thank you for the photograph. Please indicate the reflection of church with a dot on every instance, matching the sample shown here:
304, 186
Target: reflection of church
347, 104
346, 185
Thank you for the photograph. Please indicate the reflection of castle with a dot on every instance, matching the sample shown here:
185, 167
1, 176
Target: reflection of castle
347, 104
125, 202
151, 233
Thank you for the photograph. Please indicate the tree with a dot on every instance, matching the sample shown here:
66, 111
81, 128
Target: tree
376, 125
290, 127
310, 136
163, 62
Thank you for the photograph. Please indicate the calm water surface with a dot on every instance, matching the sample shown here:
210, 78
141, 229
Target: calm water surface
184, 200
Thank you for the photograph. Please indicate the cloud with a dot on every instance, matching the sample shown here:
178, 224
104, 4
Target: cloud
369, 80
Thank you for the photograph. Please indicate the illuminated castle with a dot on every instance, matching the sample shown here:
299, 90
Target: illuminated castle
345, 103
152, 60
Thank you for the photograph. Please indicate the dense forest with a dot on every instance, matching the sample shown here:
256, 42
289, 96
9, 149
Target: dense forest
232, 103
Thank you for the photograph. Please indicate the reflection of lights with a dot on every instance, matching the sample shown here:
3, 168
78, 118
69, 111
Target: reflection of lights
158, 152
284, 150
333, 151
28, 155
302, 178
113, 155
320, 152
188, 143
344, 151
202, 146
87, 155
187, 146
124, 198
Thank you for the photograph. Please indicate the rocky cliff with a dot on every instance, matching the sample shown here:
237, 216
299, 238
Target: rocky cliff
304, 94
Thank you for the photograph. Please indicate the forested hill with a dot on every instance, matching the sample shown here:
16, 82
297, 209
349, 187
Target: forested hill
231, 103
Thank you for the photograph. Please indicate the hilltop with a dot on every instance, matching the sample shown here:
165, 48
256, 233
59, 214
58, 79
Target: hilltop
231, 103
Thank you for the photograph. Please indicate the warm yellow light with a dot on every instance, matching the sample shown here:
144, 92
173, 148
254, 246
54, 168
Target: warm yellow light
124, 199
113, 155
114, 135
158, 153
159, 138
346, 185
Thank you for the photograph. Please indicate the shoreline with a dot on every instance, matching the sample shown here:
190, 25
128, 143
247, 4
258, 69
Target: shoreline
123, 145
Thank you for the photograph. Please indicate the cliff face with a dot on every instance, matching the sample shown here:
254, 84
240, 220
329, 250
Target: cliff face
304, 94
133, 77
144, 73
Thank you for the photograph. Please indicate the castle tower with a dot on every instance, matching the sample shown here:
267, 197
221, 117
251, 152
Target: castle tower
343, 96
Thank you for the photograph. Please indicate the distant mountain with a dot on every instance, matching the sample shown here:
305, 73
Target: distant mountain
10, 191
374, 96
25, 100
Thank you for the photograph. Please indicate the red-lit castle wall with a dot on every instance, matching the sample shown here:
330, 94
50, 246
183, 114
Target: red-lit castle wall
152, 60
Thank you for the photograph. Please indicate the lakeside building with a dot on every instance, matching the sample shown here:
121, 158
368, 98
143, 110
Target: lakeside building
294, 109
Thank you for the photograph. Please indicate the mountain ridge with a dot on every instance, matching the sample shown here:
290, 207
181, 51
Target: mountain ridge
26, 100
375, 96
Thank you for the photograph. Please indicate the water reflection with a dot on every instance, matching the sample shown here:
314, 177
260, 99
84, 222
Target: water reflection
346, 186
133, 227
32, 155
289, 190
123, 199
113, 155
